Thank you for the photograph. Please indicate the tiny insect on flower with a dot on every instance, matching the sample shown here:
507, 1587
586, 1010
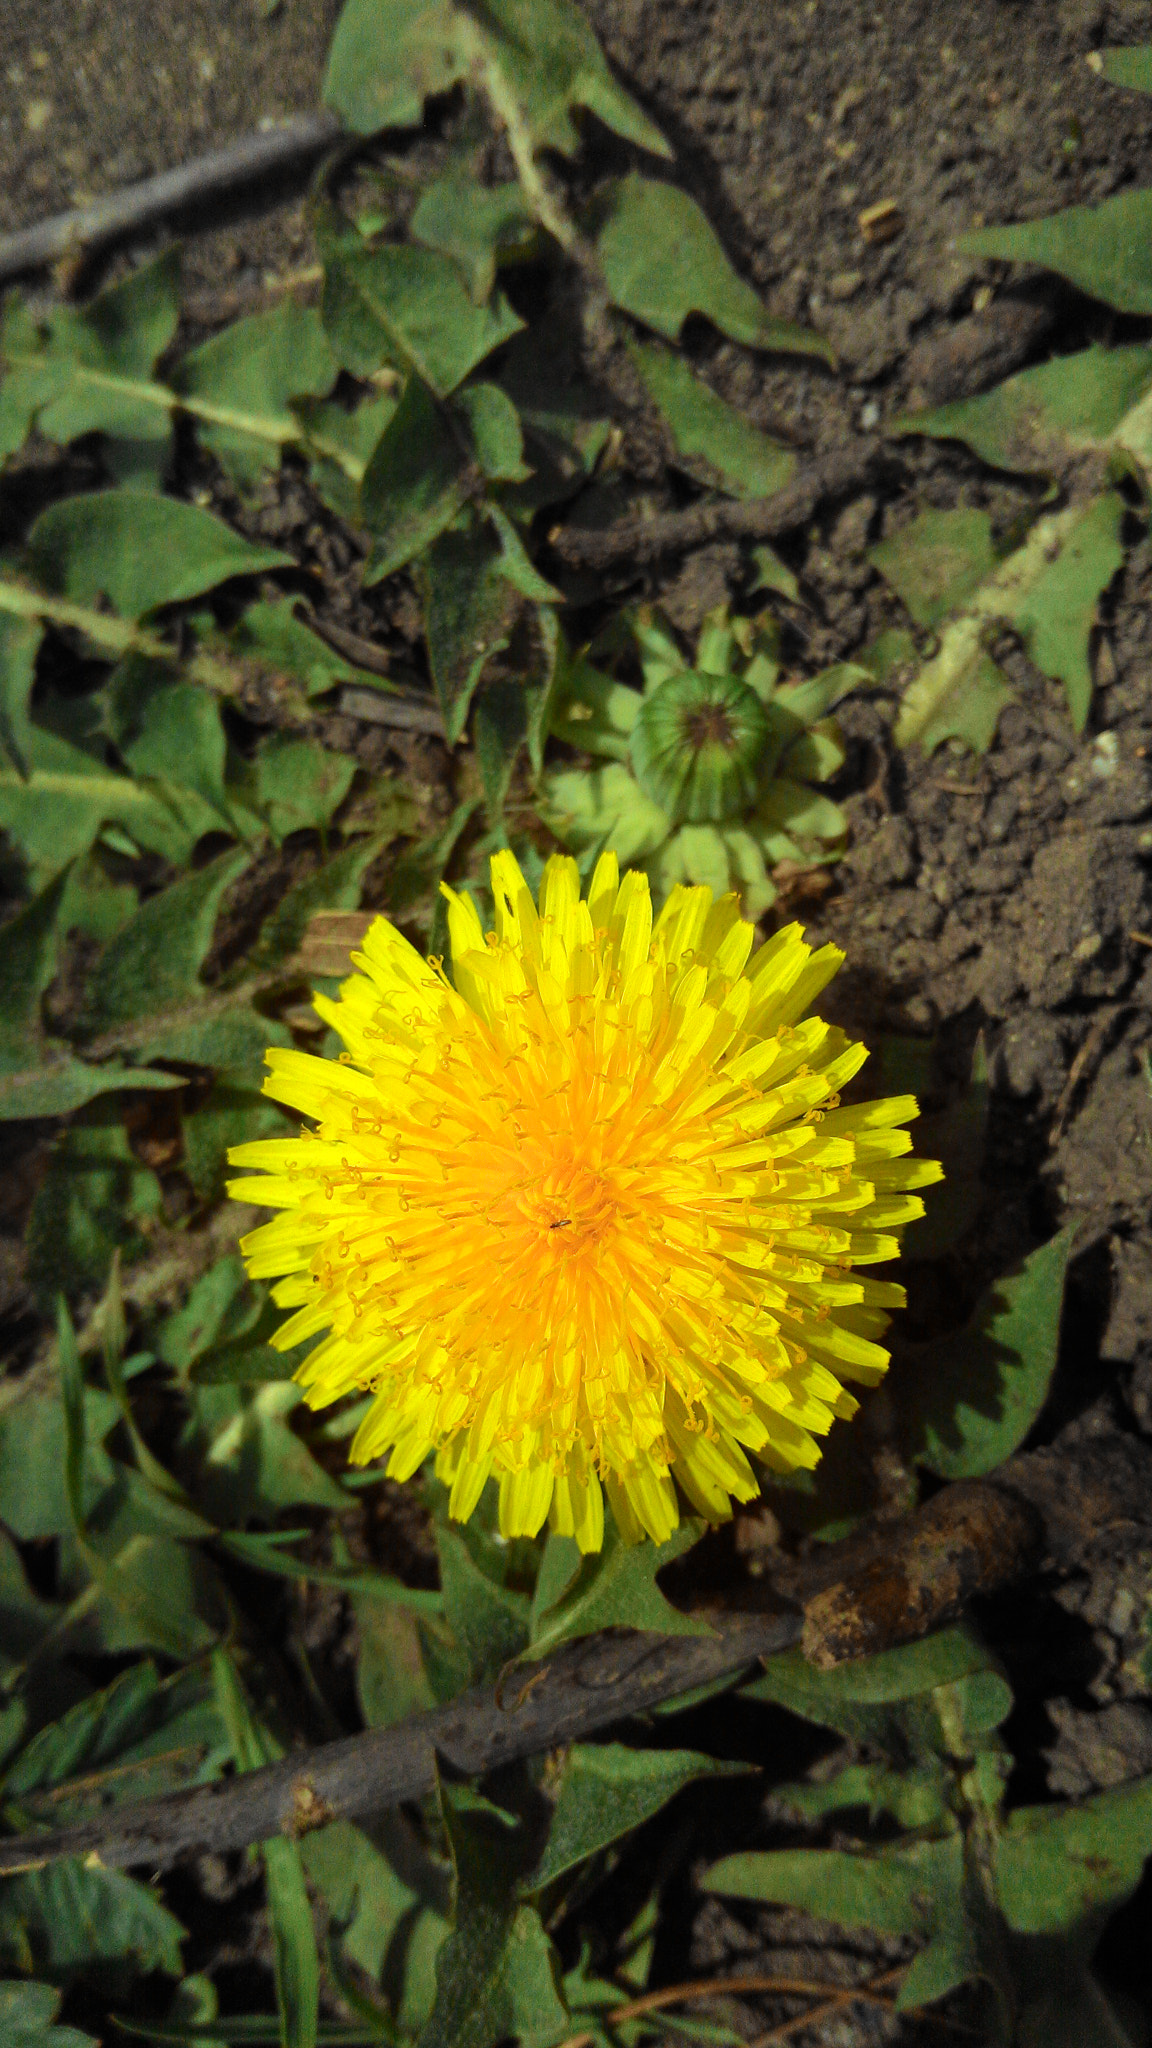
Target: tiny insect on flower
585, 1217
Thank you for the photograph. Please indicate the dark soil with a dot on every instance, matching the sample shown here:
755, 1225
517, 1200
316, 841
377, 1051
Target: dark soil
1008, 895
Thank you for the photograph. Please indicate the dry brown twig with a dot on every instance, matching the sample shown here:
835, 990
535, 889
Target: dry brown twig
890, 1586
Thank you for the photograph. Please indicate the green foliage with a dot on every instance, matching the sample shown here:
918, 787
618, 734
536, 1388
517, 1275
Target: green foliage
721, 758
975, 1885
944, 569
662, 260
968, 1401
176, 1530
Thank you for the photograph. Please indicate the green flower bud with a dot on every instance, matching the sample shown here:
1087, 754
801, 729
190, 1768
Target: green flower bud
699, 747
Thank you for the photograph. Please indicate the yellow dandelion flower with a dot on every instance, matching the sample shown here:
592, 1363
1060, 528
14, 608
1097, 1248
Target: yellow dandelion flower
585, 1217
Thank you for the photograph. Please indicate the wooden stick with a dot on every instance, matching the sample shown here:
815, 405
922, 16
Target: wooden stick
152, 200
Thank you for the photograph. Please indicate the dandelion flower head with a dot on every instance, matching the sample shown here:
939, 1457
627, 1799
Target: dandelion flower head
586, 1216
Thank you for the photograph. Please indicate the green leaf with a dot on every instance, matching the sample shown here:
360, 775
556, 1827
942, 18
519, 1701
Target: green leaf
499, 730
470, 608
93, 1197
1105, 250
1056, 608
27, 2012
391, 1681
485, 1621
1130, 66
336, 885
844, 1697
603, 807
410, 308
33, 1445
89, 368
958, 694
1049, 590
891, 1890
1057, 1865
339, 444
295, 1958
388, 56
662, 260
955, 1136
415, 484
271, 632
138, 550
967, 1402
389, 1922
247, 374
300, 785
20, 640
705, 428
937, 563
28, 947
1035, 420
63, 1085
616, 1588
250, 1461
71, 1916
169, 732
155, 961
606, 1790
496, 434
496, 1974
476, 225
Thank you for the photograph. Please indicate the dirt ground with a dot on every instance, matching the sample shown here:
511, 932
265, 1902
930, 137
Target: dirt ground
1008, 895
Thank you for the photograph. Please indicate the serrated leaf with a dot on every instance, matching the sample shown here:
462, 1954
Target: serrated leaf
70, 1916
250, 1461
55, 812
234, 1113
339, 443
607, 1790
663, 260
937, 562
485, 1623
745, 462
271, 632
1056, 608
616, 1588
410, 308
474, 224
89, 368
94, 1196
1105, 250
28, 948
1057, 1865
62, 1085
248, 374
496, 1974
1049, 590
967, 1402
385, 1918
299, 785
499, 730
470, 608
415, 484
169, 733
388, 56
843, 1698
33, 1441
154, 962
1035, 420
139, 550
